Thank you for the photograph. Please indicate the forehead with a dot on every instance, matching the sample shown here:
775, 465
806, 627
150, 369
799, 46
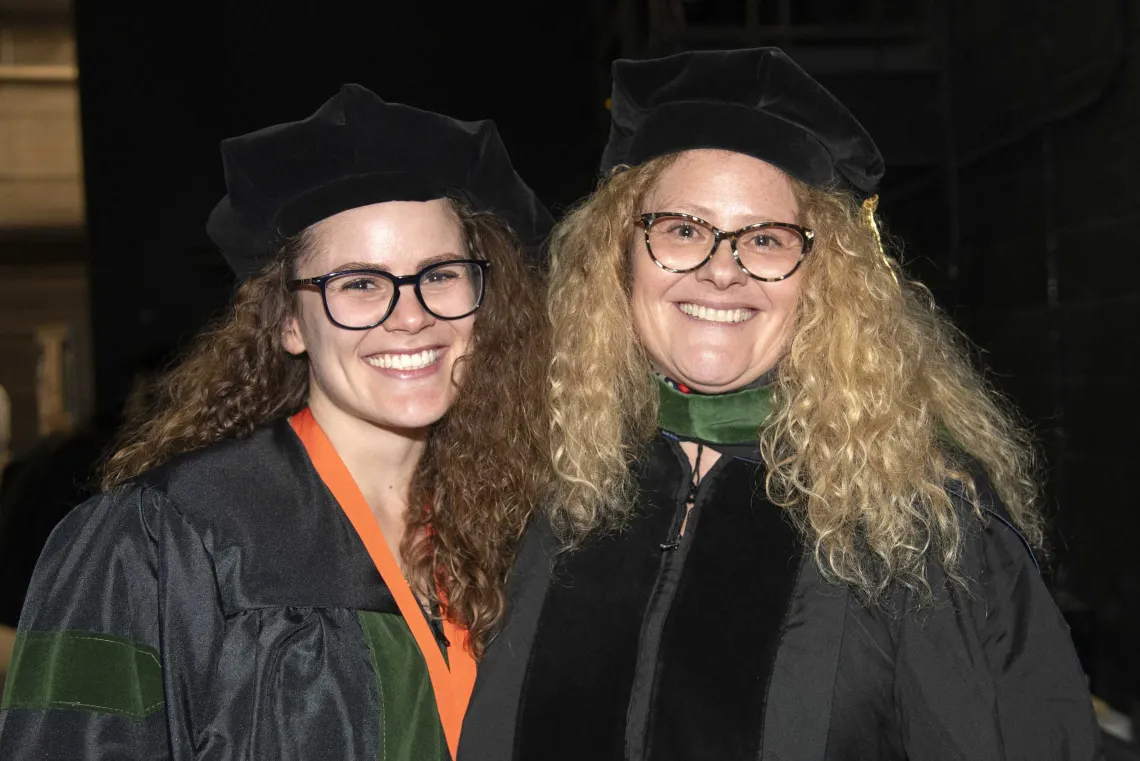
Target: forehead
724, 186
396, 235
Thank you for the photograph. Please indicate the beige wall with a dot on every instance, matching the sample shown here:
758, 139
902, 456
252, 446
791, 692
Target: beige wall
44, 319
48, 379
40, 165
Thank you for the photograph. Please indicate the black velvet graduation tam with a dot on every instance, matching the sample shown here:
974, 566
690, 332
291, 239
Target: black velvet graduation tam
354, 151
755, 101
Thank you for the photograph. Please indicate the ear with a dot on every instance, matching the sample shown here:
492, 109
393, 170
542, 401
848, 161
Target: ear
291, 337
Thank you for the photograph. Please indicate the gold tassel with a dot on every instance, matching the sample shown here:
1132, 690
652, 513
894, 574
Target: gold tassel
870, 205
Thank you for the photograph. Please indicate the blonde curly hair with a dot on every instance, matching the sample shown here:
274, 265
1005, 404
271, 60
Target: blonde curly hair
875, 405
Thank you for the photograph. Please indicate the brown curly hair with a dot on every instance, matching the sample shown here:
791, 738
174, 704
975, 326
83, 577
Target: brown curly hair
486, 461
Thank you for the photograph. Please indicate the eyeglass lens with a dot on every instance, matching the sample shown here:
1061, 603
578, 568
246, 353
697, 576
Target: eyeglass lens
448, 290
771, 251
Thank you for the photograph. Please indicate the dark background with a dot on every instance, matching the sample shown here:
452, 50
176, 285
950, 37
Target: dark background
1010, 131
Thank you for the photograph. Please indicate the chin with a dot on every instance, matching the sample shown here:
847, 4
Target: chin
714, 376
415, 415
409, 420
714, 385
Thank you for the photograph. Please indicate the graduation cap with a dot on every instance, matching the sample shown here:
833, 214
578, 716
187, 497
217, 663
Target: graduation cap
354, 151
755, 101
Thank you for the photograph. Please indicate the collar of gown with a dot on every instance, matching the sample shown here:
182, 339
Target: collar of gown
726, 419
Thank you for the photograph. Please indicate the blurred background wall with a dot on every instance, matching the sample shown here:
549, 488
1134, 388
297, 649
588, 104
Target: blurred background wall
44, 317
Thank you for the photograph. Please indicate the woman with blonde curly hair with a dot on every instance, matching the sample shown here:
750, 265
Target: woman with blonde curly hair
303, 541
789, 520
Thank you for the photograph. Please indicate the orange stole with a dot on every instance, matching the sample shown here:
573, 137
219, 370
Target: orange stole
452, 686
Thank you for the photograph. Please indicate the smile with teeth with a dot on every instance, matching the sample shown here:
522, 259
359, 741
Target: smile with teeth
716, 315
416, 361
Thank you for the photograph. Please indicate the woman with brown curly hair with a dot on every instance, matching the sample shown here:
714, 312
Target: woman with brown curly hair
796, 523
301, 548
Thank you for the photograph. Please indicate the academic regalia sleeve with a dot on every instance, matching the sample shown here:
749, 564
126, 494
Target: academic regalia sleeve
116, 641
1043, 705
993, 674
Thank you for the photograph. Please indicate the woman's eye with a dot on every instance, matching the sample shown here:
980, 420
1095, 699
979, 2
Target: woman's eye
440, 276
362, 284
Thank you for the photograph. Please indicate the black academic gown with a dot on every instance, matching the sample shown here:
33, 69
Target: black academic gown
219, 607
727, 644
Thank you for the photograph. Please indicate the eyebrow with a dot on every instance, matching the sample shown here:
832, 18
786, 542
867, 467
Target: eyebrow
696, 210
422, 263
691, 208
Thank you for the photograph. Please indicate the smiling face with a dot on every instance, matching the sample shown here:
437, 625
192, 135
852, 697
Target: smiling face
715, 329
401, 374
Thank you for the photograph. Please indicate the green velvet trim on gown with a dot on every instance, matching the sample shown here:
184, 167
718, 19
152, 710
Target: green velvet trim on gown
409, 721
85, 671
729, 418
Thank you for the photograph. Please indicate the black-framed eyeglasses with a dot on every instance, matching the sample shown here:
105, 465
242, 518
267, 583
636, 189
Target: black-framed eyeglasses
362, 298
767, 251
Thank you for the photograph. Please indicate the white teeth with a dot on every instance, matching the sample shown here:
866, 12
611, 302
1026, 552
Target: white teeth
416, 361
716, 315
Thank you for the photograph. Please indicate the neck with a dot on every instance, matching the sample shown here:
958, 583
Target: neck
382, 461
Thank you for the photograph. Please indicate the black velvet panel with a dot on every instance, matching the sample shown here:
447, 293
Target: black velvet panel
585, 650
724, 628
